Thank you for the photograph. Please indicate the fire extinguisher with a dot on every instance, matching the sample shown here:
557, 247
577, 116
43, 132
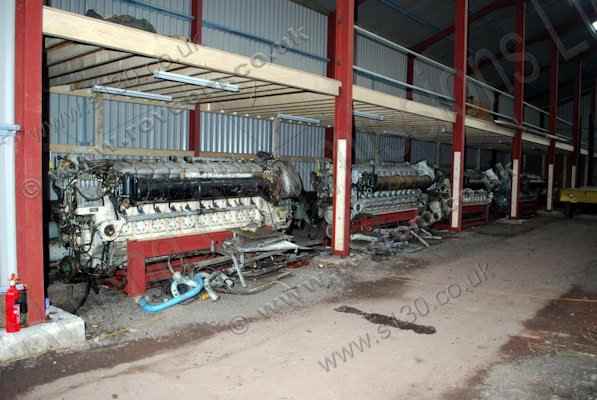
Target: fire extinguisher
12, 307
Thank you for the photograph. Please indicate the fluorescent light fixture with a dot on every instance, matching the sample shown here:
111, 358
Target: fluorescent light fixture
130, 93
594, 25
363, 114
295, 118
190, 80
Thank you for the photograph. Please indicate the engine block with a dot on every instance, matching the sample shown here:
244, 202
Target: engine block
103, 204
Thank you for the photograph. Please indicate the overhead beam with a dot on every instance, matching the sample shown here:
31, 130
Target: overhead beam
443, 34
78, 28
561, 29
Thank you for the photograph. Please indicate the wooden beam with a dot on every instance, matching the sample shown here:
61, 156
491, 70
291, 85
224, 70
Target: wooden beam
65, 25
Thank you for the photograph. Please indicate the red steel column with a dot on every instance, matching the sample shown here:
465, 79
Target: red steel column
576, 127
28, 153
328, 150
458, 136
519, 83
195, 115
410, 79
554, 85
591, 166
344, 59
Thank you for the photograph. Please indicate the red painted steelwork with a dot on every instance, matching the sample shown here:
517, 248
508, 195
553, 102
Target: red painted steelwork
368, 224
28, 110
519, 83
458, 135
139, 250
576, 121
344, 59
195, 115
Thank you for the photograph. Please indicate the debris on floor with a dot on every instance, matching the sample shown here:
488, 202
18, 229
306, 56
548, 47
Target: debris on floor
385, 242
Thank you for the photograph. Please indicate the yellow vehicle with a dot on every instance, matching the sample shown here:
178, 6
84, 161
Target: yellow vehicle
572, 197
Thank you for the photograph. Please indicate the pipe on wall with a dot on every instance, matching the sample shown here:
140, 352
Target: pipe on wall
8, 233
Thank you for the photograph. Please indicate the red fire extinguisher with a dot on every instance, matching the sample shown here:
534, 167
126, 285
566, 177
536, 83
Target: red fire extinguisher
12, 307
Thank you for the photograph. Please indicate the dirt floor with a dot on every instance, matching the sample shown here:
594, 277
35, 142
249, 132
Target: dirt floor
500, 312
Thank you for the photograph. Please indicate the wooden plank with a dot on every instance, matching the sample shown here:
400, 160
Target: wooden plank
94, 73
66, 90
110, 151
364, 95
93, 59
65, 25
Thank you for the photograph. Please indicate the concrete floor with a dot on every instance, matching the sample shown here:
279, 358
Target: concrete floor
496, 297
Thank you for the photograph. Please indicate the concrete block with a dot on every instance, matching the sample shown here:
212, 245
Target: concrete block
63, 331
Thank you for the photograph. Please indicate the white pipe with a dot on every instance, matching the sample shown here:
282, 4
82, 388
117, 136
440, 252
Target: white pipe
8, 231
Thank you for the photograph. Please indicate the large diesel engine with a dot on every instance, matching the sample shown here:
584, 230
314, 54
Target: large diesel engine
380, 188
102, 204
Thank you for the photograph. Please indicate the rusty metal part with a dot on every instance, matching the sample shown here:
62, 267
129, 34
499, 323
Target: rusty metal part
403, 182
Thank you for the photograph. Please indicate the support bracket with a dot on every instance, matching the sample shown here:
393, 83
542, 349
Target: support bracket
9, 130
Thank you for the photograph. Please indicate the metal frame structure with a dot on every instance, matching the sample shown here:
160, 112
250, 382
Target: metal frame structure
554, 78
458, 135
84, 51
195, 114
519, 83
137, 276
343, 126
29, 156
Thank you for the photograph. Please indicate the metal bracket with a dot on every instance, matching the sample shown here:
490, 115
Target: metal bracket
8, 130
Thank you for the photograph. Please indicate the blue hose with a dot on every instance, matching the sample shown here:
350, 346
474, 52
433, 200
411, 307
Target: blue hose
156, 308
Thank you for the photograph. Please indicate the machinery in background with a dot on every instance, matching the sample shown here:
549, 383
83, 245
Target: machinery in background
532, 188
100, 209
477, 197
381, 194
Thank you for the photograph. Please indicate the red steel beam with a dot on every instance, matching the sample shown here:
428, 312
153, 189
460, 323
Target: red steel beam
561, 29
554, 96
519, 83
458, 135
195, 115
344, 59
483, 12
576, 125
28, 153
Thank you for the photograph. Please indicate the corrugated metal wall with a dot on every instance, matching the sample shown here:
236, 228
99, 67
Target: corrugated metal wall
381, 59
254, 27
391, 148
140, 126
221, 133
423, 151
306, 142
165, 23
383, 148
72, 120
